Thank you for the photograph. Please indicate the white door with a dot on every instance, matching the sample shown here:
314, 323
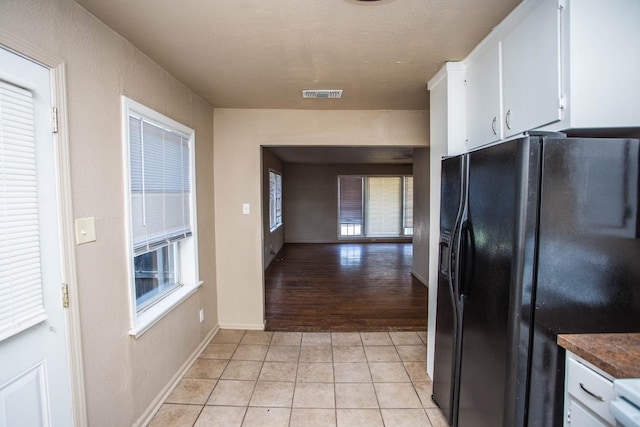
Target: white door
34, 373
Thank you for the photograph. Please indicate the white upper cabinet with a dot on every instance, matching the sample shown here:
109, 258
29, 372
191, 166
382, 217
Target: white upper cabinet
556, 65
603, 63
483, 89
531, 70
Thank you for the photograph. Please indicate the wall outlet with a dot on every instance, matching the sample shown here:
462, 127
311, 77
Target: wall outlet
201, 315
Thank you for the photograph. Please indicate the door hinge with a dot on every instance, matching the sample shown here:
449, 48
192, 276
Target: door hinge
54, 120
562, 4
563, 102
65, 295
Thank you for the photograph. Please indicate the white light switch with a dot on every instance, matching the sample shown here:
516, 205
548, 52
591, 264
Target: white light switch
85, 230
245, 209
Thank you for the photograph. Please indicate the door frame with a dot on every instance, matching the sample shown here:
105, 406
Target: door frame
65, 215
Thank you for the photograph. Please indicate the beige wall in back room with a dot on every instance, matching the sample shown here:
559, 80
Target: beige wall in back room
123, 375
238, 136
311, 199
421, 213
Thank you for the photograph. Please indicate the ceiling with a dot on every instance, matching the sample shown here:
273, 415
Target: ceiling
262, 54
344, 155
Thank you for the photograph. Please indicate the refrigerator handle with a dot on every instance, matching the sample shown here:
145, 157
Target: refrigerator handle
466, 257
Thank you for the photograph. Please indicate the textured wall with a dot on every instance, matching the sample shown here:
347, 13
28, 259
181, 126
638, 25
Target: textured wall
311, 198
238, 136
421, 213
123, 374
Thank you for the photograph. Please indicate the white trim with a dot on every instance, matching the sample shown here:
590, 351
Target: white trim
443, 72
420, 278
155, 405
63, 173
151, 316
247, 326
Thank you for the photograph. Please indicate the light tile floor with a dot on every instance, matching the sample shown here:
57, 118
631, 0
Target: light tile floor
290, 379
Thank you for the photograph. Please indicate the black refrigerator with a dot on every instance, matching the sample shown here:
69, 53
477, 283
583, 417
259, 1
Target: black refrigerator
538, 236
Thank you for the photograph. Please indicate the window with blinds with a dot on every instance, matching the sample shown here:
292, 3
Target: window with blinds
375, 206
384, 206
275, 200
407, 207
161, 203
350, 206
21, 300
160, 174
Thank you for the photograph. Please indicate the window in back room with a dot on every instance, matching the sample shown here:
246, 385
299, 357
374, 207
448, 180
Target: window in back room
275, 200
375, 206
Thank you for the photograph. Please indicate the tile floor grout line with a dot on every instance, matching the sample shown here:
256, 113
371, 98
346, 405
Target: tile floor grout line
320, 356
335, 391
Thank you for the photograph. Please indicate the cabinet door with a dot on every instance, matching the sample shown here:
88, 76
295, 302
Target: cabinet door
581, 417
531, 70
605, 59
483, 88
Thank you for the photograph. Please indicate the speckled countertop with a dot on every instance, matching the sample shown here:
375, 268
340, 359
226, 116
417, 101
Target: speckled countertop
616, 354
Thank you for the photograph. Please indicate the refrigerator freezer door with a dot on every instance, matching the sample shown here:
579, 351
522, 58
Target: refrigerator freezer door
446, 312
486, 345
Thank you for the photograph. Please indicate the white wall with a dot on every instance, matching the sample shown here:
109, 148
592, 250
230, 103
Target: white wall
238, 135
447, 134
123, 375
421, 214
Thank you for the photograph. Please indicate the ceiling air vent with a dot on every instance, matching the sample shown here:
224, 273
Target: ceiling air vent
320, 93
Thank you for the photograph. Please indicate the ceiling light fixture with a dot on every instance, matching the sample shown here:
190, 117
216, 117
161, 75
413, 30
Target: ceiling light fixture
322, 93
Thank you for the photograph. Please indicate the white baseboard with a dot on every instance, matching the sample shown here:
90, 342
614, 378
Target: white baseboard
248, 326
420, 278
155, 405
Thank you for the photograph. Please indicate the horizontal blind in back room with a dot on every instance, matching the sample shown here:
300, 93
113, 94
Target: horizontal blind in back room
408, 202
384, 206
351, 203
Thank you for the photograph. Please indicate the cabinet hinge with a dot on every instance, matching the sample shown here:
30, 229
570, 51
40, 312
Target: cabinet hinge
563, 102
54, 120
65, 295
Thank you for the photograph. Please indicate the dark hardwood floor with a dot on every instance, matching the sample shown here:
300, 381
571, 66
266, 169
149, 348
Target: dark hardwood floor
344, 287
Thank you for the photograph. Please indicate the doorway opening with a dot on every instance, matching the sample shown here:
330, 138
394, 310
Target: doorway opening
318, 279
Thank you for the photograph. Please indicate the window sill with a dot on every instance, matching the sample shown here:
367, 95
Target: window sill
145, 320
273, 230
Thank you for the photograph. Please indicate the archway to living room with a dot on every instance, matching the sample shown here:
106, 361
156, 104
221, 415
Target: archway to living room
345, 238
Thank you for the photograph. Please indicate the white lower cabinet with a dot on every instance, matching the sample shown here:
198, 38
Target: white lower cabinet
588, 394
578, 415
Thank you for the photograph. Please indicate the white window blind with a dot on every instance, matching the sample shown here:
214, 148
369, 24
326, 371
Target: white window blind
275, 200
21, 302
160, 165
384, 199
408, 202
351, 206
